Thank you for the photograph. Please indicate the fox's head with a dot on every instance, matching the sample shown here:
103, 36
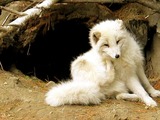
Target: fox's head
108, 38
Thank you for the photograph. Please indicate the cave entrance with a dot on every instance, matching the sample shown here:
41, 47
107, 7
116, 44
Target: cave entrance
50, 55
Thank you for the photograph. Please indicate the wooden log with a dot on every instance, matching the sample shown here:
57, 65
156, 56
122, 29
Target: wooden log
12, 27
139, 28
93, 1
88, 13
151, 4
4, 2
13, 11
27, 27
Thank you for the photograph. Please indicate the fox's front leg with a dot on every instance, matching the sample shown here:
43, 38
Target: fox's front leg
144, 80
135, 86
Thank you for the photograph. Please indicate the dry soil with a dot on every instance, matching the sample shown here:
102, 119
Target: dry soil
22, 98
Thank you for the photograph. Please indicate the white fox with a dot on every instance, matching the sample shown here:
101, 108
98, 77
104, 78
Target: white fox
113, 68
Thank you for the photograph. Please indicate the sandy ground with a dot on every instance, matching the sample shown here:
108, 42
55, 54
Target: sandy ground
22, 98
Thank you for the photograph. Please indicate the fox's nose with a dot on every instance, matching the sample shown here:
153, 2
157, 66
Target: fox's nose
116, 56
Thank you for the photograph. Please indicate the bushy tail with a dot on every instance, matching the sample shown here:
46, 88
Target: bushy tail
74, 92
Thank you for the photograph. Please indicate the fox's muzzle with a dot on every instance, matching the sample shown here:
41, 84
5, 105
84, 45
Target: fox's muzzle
117, 56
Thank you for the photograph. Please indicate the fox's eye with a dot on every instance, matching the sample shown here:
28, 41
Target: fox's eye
118, 41
106, 45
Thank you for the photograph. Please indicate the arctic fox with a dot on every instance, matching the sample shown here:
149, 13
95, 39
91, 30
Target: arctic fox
112, 68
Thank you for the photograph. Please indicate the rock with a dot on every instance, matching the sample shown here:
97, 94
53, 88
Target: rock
153, 58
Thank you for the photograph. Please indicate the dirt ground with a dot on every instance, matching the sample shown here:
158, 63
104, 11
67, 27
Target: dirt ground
22, 98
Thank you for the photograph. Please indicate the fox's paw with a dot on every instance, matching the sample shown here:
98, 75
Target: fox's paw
150, 102
110, 72
155, 93
128, 97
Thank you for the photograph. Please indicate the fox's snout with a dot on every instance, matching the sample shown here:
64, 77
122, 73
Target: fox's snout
114, 53
117, 56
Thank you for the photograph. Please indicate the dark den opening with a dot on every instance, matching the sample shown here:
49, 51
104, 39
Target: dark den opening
50, 55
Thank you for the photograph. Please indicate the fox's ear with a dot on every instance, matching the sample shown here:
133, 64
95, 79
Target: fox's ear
96, 36
120, 22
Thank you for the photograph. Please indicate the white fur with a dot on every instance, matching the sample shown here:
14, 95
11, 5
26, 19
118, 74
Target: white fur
73, 92
89, 73
112, 68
